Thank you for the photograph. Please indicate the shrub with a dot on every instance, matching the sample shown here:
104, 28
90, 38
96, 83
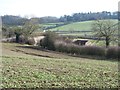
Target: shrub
93, 50
113, 52
26, 40
62, 46
59, 46
52, 42
22, 39
30, 41
79, 50
49, 40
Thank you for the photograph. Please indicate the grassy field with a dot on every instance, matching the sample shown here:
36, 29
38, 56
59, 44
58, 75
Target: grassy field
70, 29
25, 67
77, 26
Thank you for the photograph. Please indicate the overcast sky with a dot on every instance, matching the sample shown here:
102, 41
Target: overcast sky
40, 8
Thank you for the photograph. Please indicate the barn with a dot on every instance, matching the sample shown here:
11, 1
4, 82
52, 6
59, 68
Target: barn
80, 41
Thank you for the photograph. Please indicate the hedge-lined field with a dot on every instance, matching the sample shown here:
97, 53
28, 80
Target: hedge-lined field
73, 28
77, 26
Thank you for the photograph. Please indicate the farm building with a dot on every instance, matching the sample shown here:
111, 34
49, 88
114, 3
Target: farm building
80, 41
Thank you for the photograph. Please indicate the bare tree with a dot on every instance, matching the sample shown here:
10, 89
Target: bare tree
18, 31
106, 29
27, 29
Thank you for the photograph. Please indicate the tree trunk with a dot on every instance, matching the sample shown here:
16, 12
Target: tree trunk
17, 38
107, 42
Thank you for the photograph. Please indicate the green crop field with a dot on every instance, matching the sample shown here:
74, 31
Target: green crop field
25, 67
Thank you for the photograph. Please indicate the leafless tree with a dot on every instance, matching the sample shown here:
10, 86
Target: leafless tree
106, 29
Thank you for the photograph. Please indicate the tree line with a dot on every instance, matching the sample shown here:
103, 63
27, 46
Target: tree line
75, 17
13, 20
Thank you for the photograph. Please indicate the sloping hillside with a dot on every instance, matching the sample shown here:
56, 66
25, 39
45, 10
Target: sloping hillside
77, 26
86, 25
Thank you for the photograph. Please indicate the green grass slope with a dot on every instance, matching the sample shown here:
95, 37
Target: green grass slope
77, 26
72, 29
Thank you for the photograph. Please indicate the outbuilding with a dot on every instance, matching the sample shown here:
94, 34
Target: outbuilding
80, 41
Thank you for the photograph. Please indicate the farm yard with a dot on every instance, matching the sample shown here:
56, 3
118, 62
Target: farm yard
25, 67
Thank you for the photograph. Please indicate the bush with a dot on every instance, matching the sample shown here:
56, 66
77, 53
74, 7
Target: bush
63, 46
79, 50
49, 40
30, 41
26, 40
52, 42
93, 50
59, 46
113, 52
22, 39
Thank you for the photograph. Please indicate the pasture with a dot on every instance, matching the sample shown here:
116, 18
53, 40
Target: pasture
77, 26
74, 28
26, 66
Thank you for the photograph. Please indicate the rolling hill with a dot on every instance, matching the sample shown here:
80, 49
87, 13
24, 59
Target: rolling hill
77, 26
72, 29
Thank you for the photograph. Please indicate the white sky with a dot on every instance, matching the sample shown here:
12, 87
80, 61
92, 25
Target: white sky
57, 8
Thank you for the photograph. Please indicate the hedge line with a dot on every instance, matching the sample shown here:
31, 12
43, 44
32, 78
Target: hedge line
52, 42
111, 52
